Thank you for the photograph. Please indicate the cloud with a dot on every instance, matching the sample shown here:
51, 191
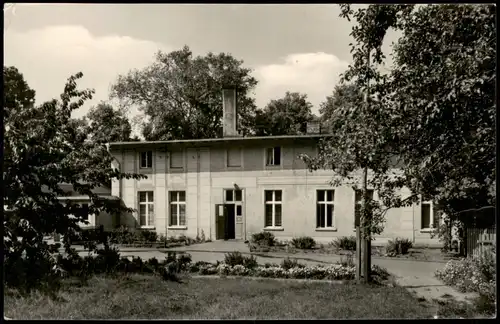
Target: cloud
314, 74
48, 56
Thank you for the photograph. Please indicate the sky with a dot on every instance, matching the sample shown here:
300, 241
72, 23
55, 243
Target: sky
289, 47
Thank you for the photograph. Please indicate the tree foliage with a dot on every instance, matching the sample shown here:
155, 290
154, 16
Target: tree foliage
286, 116
443, 95
344, 96
44, 147
181, 94
435, 110
108, 125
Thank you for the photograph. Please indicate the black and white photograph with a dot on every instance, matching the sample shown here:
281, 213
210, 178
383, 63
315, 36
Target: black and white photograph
218, 161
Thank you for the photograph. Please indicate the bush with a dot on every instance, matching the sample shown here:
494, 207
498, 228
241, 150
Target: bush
263, 238
347, 243
38, 271
472, 275
148, 236
122, 235
250, 262
288, 263
236, 258
399, 246
107, 260
303, 242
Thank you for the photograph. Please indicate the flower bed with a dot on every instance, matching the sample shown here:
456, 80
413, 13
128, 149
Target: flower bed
330, 272
471, 275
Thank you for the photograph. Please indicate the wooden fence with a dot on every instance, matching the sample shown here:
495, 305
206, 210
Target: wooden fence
479, 240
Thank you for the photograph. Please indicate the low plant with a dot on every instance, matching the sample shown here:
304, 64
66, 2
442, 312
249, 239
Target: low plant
163, 240
477, 274
236, 258
122, 235
303, 242
288, 263
147, 236
398, 246
263, 239
347, 243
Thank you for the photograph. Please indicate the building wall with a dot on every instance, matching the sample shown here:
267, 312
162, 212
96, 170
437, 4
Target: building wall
205, 175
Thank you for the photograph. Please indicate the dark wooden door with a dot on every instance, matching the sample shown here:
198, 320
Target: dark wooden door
230, 222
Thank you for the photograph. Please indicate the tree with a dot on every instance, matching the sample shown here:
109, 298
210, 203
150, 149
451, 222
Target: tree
344, 96
17, 93
181, 94
443, 86
108, 125
447, 90
361, 139
438, 98
286, 116
44, 147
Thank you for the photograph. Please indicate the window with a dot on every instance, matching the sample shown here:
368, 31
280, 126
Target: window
273, 156
177, 208
146, 160
233, 195
146, 208
273, 208
324, 209
176, 159
427, 216
85, 208
234, 157
358, 200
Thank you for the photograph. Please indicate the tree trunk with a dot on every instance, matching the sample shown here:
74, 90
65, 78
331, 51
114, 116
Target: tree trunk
366, 249
367, 243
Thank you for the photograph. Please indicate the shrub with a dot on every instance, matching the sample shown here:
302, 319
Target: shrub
163, 240
347, 243
303, 242
250, 262
263, 238
107, 259
270, 265
148, 236
288, 263
236, 258
398, 247
472, 275
122, 235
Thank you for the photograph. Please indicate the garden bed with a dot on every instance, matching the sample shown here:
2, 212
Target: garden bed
419, 254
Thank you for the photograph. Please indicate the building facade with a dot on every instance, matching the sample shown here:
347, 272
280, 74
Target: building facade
231, 187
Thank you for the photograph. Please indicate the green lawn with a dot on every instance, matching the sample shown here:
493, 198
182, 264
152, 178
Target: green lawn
148, 297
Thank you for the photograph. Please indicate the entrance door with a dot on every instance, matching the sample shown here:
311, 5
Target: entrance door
225, 221
229, 233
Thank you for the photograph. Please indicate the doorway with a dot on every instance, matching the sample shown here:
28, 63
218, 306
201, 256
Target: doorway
228, 215
225, 222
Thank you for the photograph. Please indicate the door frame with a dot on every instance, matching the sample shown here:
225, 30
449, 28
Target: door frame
236, 204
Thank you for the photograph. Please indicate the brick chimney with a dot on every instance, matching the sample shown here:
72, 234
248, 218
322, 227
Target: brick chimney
230, 113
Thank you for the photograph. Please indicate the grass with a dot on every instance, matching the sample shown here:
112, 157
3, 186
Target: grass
148, 297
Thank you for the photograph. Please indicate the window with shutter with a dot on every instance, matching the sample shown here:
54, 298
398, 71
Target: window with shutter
177, 159
234, 157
